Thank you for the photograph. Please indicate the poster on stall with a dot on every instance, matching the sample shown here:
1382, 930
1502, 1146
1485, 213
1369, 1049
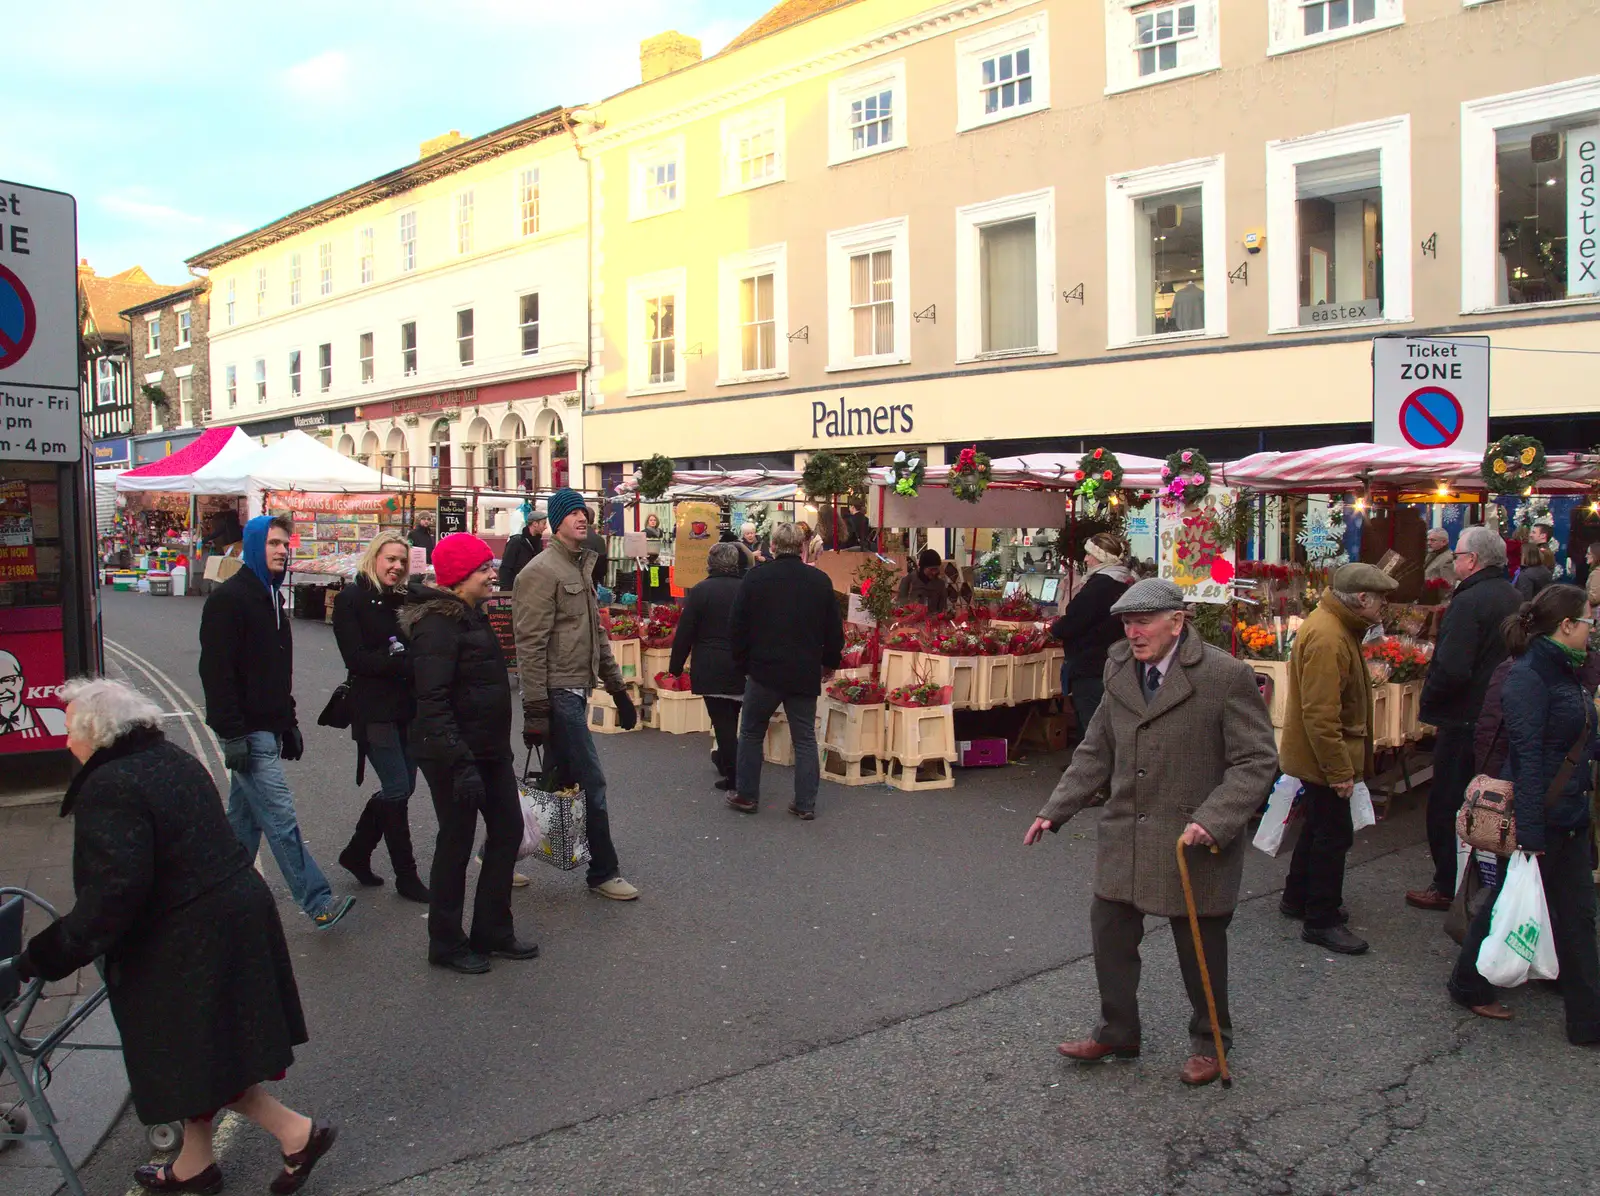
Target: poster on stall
17, 561
32, 672
697, 532
1191, 556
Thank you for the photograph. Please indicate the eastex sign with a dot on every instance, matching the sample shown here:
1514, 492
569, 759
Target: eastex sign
1431, 392
38, 325
1583, 212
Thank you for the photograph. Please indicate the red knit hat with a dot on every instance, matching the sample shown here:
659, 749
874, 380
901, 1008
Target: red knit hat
456, 556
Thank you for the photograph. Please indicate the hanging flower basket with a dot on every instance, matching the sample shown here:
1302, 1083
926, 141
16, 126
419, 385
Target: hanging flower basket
969, 477
1099, 473
908, 473
655, 475
1513, 464
1186, 476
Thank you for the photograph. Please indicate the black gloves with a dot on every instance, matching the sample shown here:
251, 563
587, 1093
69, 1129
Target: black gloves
535, 721
466, 785
627, 712
293, 745
236, 754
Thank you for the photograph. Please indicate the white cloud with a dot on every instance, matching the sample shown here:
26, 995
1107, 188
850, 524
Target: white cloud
323, 78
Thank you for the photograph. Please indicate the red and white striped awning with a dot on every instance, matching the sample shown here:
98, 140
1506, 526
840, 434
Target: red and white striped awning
1356, 466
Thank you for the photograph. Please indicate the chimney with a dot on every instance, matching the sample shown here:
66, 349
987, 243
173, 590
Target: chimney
438, 144
665, 53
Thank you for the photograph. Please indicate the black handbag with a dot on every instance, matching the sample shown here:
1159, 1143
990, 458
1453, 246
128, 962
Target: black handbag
337, 713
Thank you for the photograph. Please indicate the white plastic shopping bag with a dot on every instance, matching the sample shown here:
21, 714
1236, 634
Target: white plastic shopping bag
1362, 815
1518, 946
1269, 835
534, 822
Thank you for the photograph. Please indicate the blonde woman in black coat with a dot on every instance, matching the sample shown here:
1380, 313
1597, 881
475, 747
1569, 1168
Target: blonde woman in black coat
196, 965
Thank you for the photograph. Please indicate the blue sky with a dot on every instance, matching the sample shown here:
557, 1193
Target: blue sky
181, 123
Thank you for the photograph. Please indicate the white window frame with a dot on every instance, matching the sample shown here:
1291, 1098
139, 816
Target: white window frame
732, 271
231, 377
842, 92
472, 353
648, 286
1481, 121
970, 221
408, 245
297, 363
530, 199
233, 291
185, 327
1122, 42
672, 150
1285, 23
186, 412
415, 350
537, 324
1123, 193
843, 244
367, 367
294, 280
152, 335
261, 379
464, 207
325, 268
1391, 139
1031, 34
325, 372
261, 290
767, 119
366, 254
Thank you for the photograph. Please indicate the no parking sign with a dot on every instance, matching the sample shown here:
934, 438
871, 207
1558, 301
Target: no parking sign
1431, 392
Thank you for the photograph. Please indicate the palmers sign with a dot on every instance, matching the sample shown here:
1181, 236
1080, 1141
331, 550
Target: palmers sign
830, 422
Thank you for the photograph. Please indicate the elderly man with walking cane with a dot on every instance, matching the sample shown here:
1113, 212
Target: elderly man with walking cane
1183, 744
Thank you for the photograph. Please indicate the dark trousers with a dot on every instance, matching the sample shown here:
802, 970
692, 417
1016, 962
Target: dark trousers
1086, 694
760, 703
571, 750
724, 715
1118, 930
1569, 894
1316, 873
1452, 771
458, 825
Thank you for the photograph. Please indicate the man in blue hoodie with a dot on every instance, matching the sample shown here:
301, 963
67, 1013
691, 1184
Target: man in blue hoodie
247, 670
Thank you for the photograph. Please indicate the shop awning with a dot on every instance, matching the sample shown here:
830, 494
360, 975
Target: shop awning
215, 447
744, 485
1356, 466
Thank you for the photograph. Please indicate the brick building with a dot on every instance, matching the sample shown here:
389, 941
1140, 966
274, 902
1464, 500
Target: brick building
108, 381
171, 393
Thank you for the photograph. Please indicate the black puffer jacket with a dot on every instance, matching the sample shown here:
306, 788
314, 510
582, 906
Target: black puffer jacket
1545, 711
246, 659
1087, 628
520, 549
704, 630
785, 626
1470, 646
1531, 579
463, 689
364, 620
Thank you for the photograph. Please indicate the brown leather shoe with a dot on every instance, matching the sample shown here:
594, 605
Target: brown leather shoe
1427, 899
1494, 1011
1199, 1069
1088, 1050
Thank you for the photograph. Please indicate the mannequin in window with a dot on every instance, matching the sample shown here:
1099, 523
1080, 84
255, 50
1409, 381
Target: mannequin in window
1189, 308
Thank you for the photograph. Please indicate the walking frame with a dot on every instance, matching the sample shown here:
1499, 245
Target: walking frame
1205, 972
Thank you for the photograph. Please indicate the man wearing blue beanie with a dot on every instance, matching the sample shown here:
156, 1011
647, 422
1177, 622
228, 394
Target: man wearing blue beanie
562, 654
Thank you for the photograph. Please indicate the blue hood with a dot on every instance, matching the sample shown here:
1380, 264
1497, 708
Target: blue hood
255, 552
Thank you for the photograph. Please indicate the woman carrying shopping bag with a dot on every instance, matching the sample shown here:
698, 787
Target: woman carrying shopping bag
1546, 715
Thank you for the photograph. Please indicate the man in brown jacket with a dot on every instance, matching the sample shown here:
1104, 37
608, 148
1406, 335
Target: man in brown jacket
1327, 745
562, 654
1183, 742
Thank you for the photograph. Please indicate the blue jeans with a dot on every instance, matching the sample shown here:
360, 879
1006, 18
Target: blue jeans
571, 749
259, 803
390, 756
801, 709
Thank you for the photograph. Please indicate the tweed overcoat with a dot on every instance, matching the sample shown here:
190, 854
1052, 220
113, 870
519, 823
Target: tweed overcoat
1200, 751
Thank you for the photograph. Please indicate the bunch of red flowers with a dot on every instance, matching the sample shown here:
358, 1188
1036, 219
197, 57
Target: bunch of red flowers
905, 639
1406, 660
924, 693
856, 692
966, 458
1266, 572
1026, 643
1019, 608
623, 627
678, 684
955, 642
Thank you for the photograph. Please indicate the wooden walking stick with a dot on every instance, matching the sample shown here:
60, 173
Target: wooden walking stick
1205, 972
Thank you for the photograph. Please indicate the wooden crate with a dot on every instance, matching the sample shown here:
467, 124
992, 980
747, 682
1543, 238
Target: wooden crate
1028, 680
678, 713
899, 668
603, 712
852, 732
1409, 705
1277, 672
1385, 725
960, 673
1054, 660
995, 682
630, 659
921, 733
905, 776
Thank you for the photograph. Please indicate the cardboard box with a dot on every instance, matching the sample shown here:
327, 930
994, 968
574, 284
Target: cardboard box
981, 753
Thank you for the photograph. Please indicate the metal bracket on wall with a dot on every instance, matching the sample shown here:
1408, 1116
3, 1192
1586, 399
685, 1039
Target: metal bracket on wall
804, 334
694, 350
1430, 247
1242, 274
929, 313
1075, 293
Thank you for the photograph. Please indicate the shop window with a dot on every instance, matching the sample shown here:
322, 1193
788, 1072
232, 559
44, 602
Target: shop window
464, 337
231, 374
528, 201
754, 307
152, 335
408, 348
1295, 24
365, 251
228, 306
1003, 72
657, 179
869, 309
364, 354
325, 367
408, 242
1166, 252
261, 380
261, 290
294, 280
325, 268
1152, 42
1531, 197
464, 207
105, 382
1334, 200
185, 329
752, 149
1005, 276
656, 312
294, 373
528, 323
867, 112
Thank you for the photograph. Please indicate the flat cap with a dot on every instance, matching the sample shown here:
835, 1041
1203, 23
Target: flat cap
1356, 578
1149, 597
539, 514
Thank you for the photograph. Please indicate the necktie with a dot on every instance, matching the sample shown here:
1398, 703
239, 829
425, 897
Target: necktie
1152, 682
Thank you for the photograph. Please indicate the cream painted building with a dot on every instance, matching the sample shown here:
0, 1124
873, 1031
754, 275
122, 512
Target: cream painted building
431, 322
1033, 225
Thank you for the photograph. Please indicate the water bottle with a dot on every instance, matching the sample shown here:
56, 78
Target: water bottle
395, 646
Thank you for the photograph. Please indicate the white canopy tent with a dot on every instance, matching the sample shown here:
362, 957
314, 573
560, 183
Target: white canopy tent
185, 471
295, 462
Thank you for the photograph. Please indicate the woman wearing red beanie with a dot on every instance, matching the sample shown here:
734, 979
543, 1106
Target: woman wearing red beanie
461, 737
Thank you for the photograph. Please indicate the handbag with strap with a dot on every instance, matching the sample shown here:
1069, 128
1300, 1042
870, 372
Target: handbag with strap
553, 817
337, 713
1487, 820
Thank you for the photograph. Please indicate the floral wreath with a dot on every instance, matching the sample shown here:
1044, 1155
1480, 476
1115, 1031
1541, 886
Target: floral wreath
1186, 476
655, 475
969, 477
1513, 464
829, 474
1098, 474
908, 473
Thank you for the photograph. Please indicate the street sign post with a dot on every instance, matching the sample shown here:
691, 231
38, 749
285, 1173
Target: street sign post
39, 419
1431, 392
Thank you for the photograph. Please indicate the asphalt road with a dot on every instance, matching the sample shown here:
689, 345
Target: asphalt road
869, 1002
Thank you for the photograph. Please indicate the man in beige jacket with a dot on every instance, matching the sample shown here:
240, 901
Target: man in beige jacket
562, 654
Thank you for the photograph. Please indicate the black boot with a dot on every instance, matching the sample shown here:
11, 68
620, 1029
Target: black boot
397, 834
356, 858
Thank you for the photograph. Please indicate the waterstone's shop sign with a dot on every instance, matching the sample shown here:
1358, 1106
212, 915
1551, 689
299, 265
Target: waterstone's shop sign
831, 421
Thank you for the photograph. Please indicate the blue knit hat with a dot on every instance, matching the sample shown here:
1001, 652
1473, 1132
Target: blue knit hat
563, 503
